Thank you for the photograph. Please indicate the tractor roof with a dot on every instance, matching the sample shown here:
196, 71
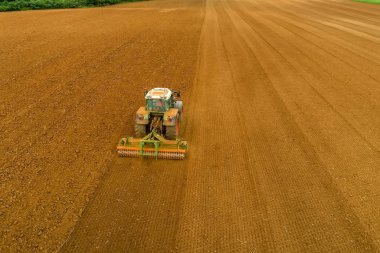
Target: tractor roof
159, 93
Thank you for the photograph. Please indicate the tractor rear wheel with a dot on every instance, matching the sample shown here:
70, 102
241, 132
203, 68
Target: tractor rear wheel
172, 131
140, 131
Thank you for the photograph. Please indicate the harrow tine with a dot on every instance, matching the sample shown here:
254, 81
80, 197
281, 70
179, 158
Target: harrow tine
151, 154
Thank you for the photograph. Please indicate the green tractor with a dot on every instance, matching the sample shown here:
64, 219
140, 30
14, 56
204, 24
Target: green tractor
157, 128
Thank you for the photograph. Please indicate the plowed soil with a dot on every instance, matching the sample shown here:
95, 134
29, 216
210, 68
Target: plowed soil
282, 114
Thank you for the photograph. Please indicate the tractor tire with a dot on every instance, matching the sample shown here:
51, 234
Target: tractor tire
172, 132
140, 131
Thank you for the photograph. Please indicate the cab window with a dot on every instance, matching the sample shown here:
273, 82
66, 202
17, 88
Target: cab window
156, 105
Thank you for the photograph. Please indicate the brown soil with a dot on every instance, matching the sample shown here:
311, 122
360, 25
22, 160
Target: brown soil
282, 105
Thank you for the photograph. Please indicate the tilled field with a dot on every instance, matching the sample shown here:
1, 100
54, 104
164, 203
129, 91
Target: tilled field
282, 113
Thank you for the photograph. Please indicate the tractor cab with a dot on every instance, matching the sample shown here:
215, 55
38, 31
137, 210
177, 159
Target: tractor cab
159, 100
157, 105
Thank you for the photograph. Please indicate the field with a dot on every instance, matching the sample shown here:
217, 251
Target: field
282, 115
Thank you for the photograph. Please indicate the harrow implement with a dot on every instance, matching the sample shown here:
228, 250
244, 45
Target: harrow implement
152, 145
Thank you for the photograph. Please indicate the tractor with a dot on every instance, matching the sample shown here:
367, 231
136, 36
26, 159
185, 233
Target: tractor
157, 128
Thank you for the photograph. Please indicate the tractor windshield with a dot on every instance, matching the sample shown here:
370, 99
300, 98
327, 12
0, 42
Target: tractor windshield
157, 105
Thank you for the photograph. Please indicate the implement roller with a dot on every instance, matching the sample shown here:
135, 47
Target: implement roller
156, 128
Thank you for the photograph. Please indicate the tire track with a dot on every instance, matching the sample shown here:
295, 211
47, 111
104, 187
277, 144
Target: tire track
306, 16
347, 23
324, 178
334, 43
373, 22
320, 31
355, 7
199, 194
328, 21
296, 49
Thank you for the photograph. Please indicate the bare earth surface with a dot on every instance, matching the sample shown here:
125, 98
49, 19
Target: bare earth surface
282, 113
